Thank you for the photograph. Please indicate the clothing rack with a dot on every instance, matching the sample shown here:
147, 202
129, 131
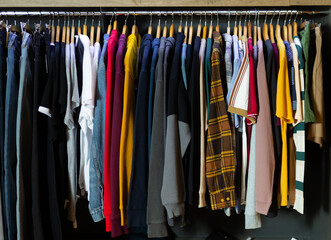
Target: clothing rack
159, 13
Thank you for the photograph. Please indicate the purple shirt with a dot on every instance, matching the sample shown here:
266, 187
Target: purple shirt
115, 217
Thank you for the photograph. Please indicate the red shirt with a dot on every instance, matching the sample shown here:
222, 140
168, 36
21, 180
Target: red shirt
112, 45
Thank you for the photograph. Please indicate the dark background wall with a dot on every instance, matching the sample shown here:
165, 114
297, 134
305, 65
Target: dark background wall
315, 224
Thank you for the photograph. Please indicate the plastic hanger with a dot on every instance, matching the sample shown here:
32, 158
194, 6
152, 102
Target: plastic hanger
73, 30
277, 31
204, 32
92, 31
217, 23
165, 29
249, 26
68, 31
58, 29
98, 31
79, 29
158, 29
172, 28
210, 31
186, 29
285, 34
290, 30
110, 26
265, 27
295, 26
258, 27
271, 28
180, 27
255, 30
150, 27
228, 30
85, 26
64, 29
240, 29
199, 28
125, 27
235, 28
190, 35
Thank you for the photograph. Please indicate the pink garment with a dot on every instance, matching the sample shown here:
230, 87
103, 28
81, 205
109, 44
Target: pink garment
252, 97
265, 156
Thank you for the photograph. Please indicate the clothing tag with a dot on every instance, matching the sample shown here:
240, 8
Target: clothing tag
46, 63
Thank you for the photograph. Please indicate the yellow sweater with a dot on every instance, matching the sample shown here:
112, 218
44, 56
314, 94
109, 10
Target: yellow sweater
126, 147
284, 112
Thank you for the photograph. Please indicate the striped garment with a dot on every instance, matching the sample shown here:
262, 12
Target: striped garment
238, 102
299, 138
220, 160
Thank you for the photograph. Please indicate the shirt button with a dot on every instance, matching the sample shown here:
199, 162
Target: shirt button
222, 200
227, 198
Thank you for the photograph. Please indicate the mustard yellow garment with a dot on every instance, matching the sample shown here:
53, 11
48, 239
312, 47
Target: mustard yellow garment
284, 112
130, 76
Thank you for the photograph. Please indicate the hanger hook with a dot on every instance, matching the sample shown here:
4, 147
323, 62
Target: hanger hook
217, 19
258, 18
241, 14
64, 19
200, 18
205, 18
296, 15
255, 16
191, 18
211, 18
58, 18
235, 19
134, 18
290, 18
126, 18
151, 19
245, 20
278, 17
285, 20
181, 19
172, 17
272, 17
266, 16
229, 18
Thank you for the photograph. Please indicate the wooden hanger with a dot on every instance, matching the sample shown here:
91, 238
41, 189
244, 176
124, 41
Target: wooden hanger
258, 27
26, 26
245, 26
290, 30
92, 32
295, 26
53, 31
249, 27
217, 28
172, 28
165, 29
180, 27
228, 30
204, 32
158, 29
255, 30
240, 29
64, 30
277, 31
265, 28
68, 32
285, 34
210, 31
150, 27
190, 35
85, 26
72, 40
199, 28
186, 30
125, 27
58, 31
235, 28
110, 26
98, 31
79, 29
115, 25
134, 29
271, 29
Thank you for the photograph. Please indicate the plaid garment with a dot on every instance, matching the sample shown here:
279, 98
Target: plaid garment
220, 160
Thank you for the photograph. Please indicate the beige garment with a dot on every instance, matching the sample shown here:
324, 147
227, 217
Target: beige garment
291, 169
298, 115
203, 128
316, 132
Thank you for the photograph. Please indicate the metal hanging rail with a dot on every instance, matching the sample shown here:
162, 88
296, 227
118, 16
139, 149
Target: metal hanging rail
165, 13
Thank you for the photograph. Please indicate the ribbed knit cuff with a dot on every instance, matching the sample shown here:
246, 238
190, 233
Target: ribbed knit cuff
262, 207
175, 209
117, 230
157, 230
108, 223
